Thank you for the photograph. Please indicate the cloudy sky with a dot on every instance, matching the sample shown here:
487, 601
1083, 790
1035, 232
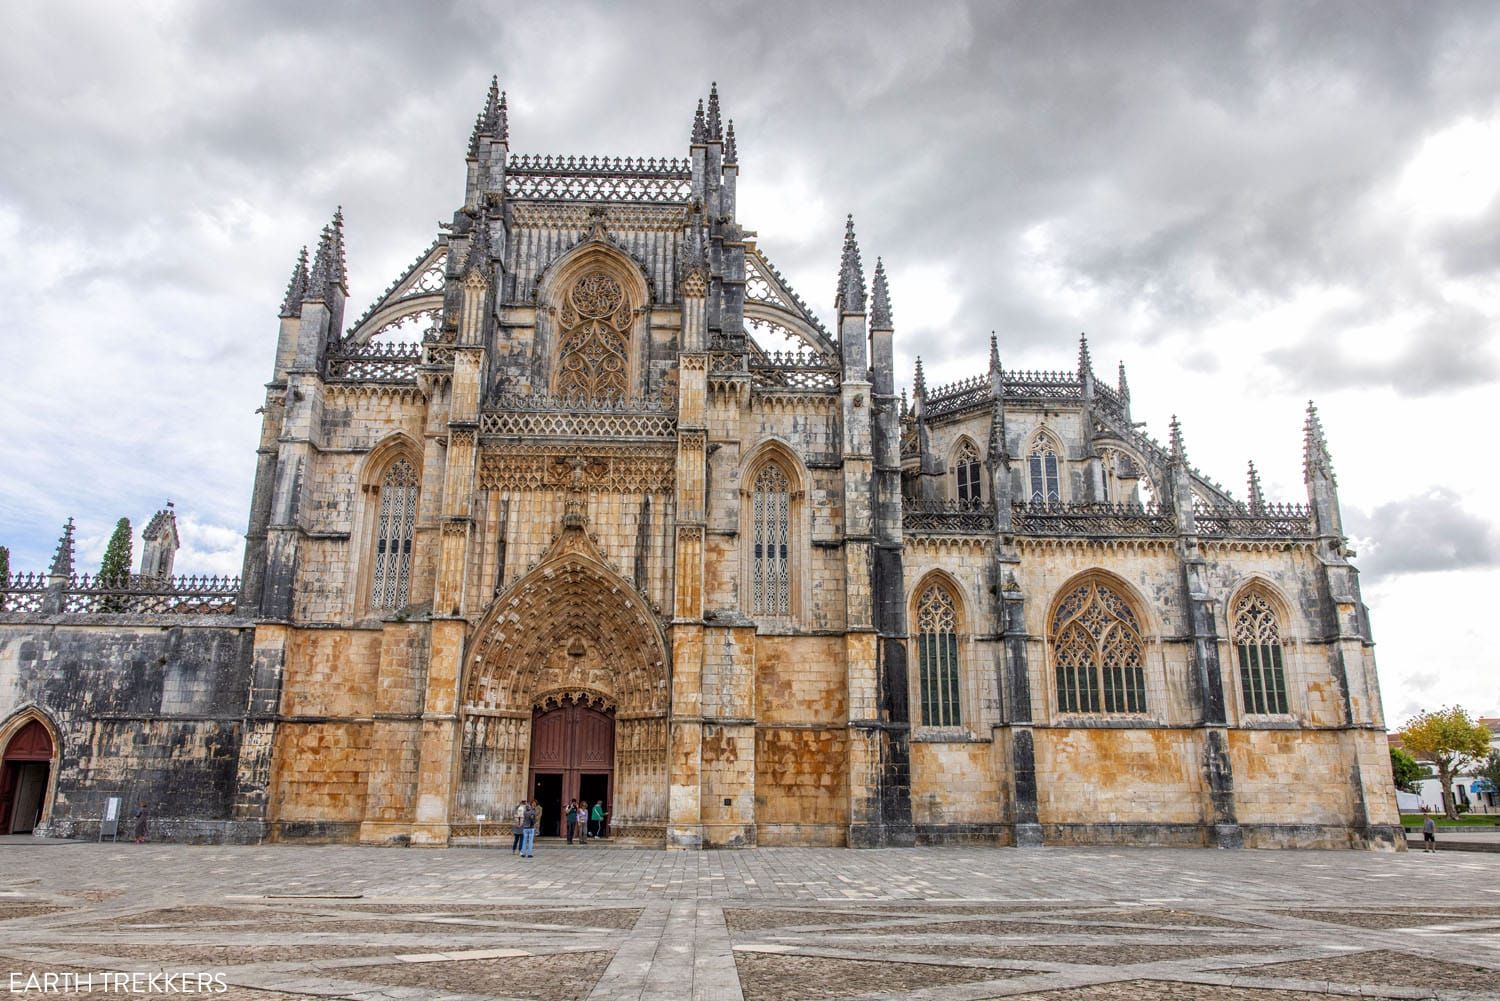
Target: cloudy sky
1250, 204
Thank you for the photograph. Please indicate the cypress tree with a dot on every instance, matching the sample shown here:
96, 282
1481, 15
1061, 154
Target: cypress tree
115, 567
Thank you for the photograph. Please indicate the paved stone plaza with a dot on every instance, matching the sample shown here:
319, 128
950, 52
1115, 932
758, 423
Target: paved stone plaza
1053, 923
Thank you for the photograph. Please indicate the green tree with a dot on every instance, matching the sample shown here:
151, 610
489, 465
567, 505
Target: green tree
114, 569
1489, 770
1450, 740
1406, 770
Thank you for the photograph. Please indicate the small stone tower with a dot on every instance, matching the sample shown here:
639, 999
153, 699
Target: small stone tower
161, 546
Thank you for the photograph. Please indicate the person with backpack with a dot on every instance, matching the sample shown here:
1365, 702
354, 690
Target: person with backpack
530, 818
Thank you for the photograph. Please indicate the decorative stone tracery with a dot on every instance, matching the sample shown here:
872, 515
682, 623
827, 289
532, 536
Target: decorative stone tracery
594, 352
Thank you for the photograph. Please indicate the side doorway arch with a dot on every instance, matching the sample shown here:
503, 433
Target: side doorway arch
28, 770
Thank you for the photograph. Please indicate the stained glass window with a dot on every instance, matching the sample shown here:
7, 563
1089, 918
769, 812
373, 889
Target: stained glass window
1098, 652
1257, 638
390, 584
937, 657
1046, 487
771, 583
966, 469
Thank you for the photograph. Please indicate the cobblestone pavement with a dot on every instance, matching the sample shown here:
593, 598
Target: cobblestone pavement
940, 924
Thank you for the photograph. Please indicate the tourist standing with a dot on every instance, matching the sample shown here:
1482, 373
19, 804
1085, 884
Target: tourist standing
571, 818
583, 821
517, 827
531, 817
596, 819
142, 823
1429, 832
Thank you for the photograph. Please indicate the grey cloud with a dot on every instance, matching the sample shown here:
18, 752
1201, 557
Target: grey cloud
1421, 534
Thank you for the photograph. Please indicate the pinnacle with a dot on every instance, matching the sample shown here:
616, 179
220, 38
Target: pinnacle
1124, 386
1085, 363
919, 383
1315, 455
1257, 499
731, 151
296, 288
1179, 453
994, 353
851, 292
341, 274
715, 126
700, 131
492, 120
880, 303
62, 560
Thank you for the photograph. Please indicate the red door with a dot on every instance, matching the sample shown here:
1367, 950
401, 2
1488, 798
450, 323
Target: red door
568, 742
23, 778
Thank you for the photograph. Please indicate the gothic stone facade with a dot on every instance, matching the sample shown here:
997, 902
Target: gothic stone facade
590, 503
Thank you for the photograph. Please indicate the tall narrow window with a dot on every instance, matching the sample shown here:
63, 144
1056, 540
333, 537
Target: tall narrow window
937, 657
593, 360
1046, 486
1257, 637
966, 469
390, 584
1099, 654
771, 581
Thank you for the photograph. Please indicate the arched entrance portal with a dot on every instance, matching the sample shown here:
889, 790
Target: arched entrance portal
572, 756
571, 635
25, 769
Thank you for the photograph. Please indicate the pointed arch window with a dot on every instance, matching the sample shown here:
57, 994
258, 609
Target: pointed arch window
594, 349
390, 582
1257, 639
1042, 467
937, 657
1098, 651
966, 471
770, 512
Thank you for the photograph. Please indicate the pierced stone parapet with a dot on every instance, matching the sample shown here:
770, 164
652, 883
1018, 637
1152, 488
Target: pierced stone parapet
134, 595
373, 362
598, 179
540, 415
1234, 522
794, 370
947, 517
1094, 520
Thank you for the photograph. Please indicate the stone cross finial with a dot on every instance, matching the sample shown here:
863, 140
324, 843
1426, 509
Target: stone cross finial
851, 293
296, 288
880, 301
62, 559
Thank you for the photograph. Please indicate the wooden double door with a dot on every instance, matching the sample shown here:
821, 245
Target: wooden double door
572, 758
25, 767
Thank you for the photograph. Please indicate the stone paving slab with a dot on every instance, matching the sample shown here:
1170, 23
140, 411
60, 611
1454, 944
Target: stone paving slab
939, 924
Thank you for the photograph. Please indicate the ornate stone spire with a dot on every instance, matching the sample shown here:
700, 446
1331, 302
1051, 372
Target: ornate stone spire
1315, 456
296, 289
700, 131
905, 407
994, 354
880, 301
492, 121
919, 381
62, 560
1179, 453
328, 268
851, 294
1257, 499
474, 135
1124, 386
1085, 363
731, 151
715, 125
